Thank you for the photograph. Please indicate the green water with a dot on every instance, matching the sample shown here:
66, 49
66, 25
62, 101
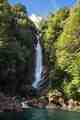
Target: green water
40, 114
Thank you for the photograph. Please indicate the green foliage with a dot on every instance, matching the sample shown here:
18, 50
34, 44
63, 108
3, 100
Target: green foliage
51, 29
16, 38
67, 51
19, 8
61, 38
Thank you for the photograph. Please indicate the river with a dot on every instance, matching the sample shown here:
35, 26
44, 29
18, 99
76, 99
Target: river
40, 114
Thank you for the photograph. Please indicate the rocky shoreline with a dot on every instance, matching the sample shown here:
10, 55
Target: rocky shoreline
69, 105
12, 104
9, 104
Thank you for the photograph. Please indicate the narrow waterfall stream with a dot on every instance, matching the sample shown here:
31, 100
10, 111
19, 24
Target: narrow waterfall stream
38, 65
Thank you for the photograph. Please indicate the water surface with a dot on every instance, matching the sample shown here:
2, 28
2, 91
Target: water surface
40, 114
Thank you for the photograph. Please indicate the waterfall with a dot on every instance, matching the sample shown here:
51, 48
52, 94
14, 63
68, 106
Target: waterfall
38, 65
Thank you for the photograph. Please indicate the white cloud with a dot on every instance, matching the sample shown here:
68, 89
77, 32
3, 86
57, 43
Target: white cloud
36, 19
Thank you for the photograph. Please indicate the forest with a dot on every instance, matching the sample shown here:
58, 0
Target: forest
17, 34
60, 40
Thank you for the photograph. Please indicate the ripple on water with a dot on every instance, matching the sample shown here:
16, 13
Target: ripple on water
40, 114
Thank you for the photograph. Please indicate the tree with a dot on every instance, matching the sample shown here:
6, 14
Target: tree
68, 54
16, 48
61, 42
51, 30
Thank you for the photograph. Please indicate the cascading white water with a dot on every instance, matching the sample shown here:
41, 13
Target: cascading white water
38, 66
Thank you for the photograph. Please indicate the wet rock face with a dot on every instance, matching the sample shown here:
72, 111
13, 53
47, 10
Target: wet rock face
14, 75
9, 104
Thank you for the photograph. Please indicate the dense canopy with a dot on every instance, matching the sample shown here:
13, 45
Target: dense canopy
61, 41
17, 33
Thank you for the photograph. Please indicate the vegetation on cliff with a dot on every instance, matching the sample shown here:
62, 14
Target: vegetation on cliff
17, 34
61, 41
